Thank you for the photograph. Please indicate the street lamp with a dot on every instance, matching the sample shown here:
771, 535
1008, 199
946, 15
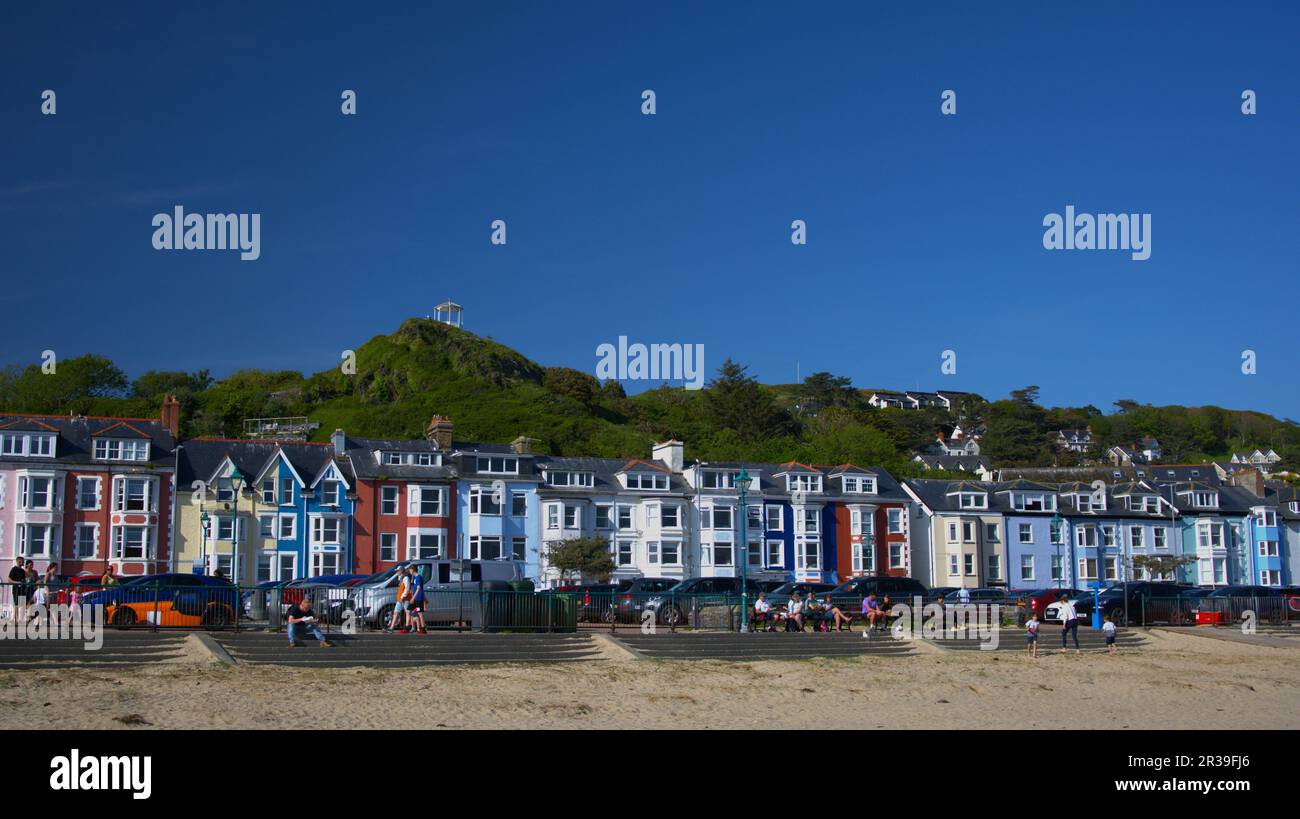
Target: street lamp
742, 481
236, 479
204, 521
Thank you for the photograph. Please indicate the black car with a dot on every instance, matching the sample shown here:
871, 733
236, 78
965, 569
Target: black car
630, 602
849, 595
671, 606
1241, 602
1112, 600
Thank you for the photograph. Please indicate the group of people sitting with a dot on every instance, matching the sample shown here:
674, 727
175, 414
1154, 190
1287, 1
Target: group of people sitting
817, 614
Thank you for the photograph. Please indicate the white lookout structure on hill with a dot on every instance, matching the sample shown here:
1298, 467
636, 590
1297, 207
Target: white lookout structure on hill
449, 312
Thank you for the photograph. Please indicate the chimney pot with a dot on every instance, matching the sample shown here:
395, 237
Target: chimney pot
439, 431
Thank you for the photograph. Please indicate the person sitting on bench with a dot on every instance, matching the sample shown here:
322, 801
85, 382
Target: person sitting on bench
815, 613
873, 612
794, 613
839, 617
763, 613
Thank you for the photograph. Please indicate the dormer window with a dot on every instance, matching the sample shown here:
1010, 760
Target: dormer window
803, 483
410, 458
711, 479
647, 480
1205, 500
1033, 502
497, 465
121, 449
972, 500
860, 484
27, 445
1143, 503
565, 478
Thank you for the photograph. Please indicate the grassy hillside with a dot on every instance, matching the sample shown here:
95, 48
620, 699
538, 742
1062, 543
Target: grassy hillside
494, 393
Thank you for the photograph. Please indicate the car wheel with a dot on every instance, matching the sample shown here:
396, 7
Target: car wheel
216, 616
607, 616
384, 616
670, 616
123, 616
1117, 617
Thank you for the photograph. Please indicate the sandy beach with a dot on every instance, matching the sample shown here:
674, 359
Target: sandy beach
1174, 681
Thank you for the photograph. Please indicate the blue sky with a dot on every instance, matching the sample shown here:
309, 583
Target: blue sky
924, 231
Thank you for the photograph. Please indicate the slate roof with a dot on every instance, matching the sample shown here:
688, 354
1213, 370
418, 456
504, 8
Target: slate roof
77, 434
201, 457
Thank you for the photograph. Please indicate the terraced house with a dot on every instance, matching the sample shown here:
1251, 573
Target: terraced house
957, 534
405, 505
83, 493
260, 510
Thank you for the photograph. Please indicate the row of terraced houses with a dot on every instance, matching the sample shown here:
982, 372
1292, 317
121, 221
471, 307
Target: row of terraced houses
87, 492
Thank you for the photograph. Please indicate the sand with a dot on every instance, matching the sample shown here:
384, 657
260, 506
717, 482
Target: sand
1175, 681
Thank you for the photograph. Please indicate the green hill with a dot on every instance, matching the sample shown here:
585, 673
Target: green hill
493, 393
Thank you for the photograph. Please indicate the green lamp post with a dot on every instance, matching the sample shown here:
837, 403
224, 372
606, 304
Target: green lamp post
237, 479
742, 486
204, 520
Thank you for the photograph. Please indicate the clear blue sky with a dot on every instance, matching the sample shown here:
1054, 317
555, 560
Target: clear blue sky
924, 231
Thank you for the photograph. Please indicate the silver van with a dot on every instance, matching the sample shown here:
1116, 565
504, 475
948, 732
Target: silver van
452, 590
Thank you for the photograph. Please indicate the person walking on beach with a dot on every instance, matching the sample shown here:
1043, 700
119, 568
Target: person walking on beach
17, 579
1031, 635
400, 608
1069, 623
416, 616
1108, 628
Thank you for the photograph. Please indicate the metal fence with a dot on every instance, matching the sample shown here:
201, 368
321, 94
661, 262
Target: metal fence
205, 604
1215, 611
143, 605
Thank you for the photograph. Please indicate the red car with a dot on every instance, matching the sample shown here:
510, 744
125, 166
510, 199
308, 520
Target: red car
1036, 601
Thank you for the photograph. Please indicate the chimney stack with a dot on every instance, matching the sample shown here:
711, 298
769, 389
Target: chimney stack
171, 415
1251, 479
522, 445
439, 431
339, 439
670, 454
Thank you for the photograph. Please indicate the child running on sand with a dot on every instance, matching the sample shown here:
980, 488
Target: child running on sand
1031, 635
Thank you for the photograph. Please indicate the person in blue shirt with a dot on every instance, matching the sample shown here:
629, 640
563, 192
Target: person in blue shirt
415, 608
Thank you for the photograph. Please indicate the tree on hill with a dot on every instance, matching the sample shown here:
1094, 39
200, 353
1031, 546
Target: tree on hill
736, 401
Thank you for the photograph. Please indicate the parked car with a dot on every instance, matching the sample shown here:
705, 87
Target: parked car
670, 608
781, 594
1230, 604
451, 589
979, 595
1112, 600
849, 594
595, 600
937, 593
1037, 600
632, 600
187, 600
769, 586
